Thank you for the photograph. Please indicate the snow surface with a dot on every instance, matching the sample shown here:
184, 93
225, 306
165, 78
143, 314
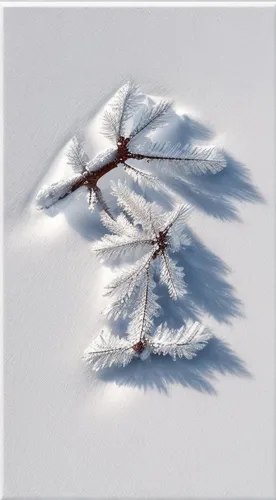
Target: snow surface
201, 428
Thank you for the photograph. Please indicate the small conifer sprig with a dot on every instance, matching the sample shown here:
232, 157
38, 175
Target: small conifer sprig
109, 350
126, 120
142, 226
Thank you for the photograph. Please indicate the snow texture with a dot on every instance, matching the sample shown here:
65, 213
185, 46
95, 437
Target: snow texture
201, 428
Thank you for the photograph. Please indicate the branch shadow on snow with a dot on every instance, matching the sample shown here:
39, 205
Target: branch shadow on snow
80, 219
159, 373
216, 195
206, 278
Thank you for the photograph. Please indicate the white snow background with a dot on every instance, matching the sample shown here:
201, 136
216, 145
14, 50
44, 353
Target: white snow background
158, 429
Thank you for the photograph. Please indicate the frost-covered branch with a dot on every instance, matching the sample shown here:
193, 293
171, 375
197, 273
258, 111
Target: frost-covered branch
77, 158
172, 276
108, 350
126, 287
152, 118
113, 246
49, 195
184, 342
181, 160
120, 109
127, 116
145, 227
145, 311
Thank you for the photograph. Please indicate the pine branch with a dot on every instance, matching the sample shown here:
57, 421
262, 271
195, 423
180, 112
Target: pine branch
102, 163
173, 226
146, 310
143, 178
123, 306
172, 276
119, 111
114, 246
152, 118
128, 275
49, 195
175, 160
185, 160
77, 158
119, 225
91, 199
176, 218
127, 103
107, 350
141, 320
134, 205
157, 232
126, 286
185, 342
110, 126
